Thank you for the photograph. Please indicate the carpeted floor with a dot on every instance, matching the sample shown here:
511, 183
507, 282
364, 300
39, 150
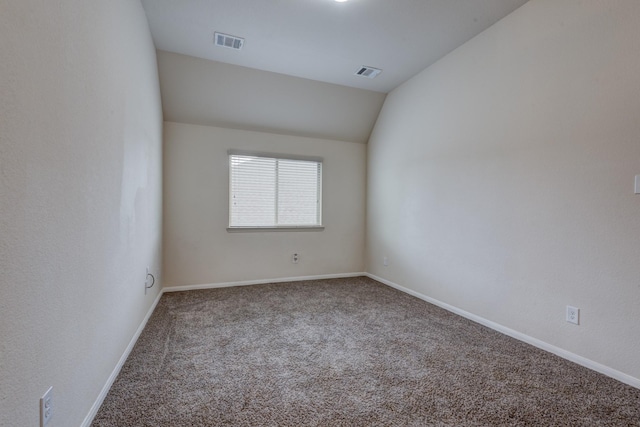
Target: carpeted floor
345, 352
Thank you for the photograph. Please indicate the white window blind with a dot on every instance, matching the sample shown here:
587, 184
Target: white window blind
274, 192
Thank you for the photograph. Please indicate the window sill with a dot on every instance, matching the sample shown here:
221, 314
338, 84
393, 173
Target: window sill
284, 228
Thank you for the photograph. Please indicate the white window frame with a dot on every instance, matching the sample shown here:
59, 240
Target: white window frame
315, 227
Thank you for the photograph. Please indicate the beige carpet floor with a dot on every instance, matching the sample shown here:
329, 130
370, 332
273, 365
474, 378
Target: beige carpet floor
345, 352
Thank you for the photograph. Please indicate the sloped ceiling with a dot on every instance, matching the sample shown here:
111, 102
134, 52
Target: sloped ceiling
325, 40
204, 92
303, 55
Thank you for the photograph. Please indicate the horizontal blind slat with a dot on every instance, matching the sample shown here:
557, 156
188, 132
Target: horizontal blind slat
259, 184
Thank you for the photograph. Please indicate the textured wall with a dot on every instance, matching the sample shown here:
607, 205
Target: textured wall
501, 178
198, 248
80, 198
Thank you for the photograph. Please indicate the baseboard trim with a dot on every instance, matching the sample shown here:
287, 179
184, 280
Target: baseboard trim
583, 361
114, 374
259, 282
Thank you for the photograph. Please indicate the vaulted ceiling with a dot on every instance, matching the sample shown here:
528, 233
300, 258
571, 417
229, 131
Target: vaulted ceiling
319, 40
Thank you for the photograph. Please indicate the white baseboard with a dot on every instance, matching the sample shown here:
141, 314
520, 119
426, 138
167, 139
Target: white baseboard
103, 393
583, 361
259, 282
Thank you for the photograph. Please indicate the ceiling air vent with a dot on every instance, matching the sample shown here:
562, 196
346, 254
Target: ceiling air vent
368, 72
225, 40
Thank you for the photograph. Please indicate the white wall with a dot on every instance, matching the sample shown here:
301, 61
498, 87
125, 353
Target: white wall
80, 198
501, 178
199, 250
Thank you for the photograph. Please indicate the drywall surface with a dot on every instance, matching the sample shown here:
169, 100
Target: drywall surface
198, 248
324, 40
80, 198
501, 178
203, 92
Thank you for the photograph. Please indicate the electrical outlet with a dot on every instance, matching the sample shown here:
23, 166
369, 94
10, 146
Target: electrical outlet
295, 258
385, 261
46, 407
573, 315
149, 281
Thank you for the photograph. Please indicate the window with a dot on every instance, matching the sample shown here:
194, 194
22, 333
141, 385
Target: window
274, 191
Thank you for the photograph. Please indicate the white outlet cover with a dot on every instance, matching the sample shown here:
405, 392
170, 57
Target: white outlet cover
573, 315
46, 407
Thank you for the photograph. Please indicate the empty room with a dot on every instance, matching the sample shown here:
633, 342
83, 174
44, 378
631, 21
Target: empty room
319, 213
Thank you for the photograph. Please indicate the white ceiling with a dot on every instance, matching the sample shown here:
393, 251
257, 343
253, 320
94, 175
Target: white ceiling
211, 93
322, 39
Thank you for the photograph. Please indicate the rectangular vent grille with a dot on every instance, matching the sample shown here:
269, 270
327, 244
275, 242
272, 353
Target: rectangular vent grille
368, 72
225, 40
